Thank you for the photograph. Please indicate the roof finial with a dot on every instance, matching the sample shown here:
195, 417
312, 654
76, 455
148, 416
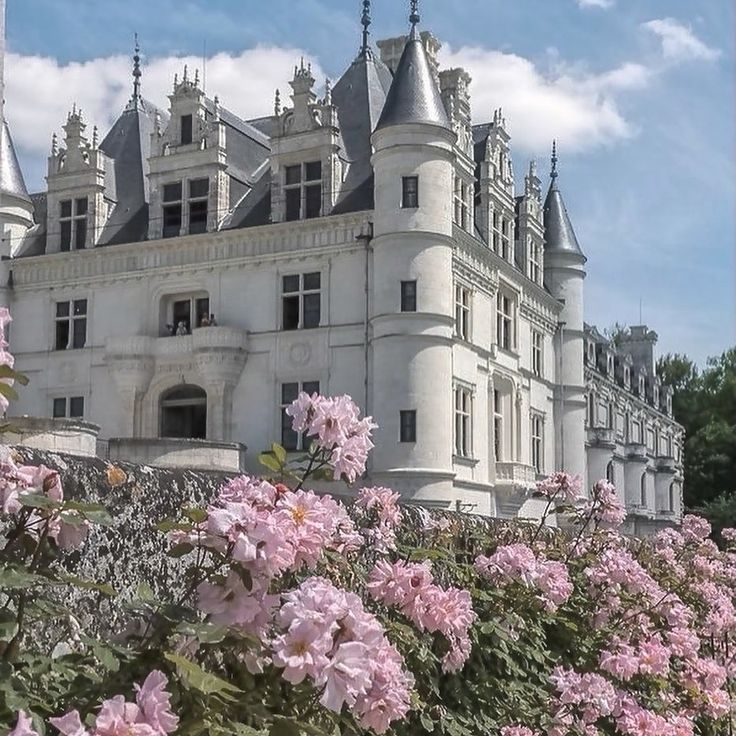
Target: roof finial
137, 74
95, 138
414, 16
553, 175
277, 103
54, 145
365, 20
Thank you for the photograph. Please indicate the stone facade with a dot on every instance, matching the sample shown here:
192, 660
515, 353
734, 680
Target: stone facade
191, 271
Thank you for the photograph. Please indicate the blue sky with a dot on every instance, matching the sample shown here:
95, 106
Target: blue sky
640, 94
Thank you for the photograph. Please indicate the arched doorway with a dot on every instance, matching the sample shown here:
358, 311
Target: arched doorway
611, 473
184, 413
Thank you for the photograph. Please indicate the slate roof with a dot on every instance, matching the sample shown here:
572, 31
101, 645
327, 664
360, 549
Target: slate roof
11, 177
414, 96
559, 234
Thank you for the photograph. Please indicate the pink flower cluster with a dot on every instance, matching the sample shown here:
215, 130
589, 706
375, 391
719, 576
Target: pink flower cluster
68, 528
266, 530
335, 425
380, 505
330, 638
516, 731
149, 715
604, 505
561, 487
5, 357
518, 563
624, 661
411, 588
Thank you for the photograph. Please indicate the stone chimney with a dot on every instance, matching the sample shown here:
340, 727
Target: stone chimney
639, 342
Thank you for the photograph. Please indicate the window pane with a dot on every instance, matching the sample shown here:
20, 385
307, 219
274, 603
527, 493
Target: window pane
289, 392
59, 408
312, 281
172, 220
408, 431
199, 187
80, 333
313, 171
289, 438
410, 191
66, 235
186, 129
310, 387
66, 208
291, 312
311, 310
408, 296
80, 206
198, 217
172, 192
80, 237
76, 406
293, 174
290, 284
293, 204
62, 335
80, 306
313, 201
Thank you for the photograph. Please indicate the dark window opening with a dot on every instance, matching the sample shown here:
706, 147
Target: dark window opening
172, 220
313, 171
66, 208
293, 204
76, 407
202, 307
182, 314
408, 296
198, 217
291, 440
410, 192
408, 426
80, 237
313, 201
293, 175
184, 413
66, 235
301, 301
71, 325
186, 129
59, 408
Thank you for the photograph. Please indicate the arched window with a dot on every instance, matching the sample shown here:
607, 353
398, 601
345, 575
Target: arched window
184, 413
611, 473
644, 489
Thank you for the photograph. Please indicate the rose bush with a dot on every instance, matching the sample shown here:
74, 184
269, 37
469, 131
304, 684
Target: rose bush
301, 614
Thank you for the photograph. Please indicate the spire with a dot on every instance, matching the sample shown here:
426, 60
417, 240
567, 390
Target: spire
137, 74
277, 103
365, 20
414, 96
559, 235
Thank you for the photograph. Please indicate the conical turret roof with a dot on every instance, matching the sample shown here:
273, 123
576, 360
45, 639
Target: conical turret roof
11, 177
414, 96
559, 235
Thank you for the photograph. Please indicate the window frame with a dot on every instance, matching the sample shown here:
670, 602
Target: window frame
499, 423
77, 223
302, 295
171, 205
198, 200
72, 319
408, 432
463, 416
463, 311
286, 420
535, 260
537, 353
505, 322
410, 192
66, 407
305, 186
188, 139
461, 209
537, 443
408, 298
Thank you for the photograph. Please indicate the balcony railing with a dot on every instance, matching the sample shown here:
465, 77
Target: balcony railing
516, 474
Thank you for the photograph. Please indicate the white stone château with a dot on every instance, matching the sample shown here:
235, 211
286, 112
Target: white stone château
186, 274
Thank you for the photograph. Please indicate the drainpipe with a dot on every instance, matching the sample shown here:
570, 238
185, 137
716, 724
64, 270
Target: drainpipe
366, 236
563, 392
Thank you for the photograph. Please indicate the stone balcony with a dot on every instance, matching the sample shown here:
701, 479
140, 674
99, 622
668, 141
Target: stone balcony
635, 450
602, 437
517, 475
636, 509
666, 464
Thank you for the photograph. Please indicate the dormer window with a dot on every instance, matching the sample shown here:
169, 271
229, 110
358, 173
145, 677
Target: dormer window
641, 386
627, 376
655, 396
591, 353
303, 191
609, 364
199, 190
172, 209
73, 221
186, 129
669, 404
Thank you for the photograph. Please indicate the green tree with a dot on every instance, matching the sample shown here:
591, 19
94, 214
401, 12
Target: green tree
705, 404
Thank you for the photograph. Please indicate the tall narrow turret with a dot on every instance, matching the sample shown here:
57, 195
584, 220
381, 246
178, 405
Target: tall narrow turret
411, 318
564, 274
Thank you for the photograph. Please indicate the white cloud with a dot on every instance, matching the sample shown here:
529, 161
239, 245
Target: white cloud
595, 3
679, 43
579, 108
40, 91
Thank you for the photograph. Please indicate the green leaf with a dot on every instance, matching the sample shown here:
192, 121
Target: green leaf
204, 632
240, 729
93, 512
13, 577
195, 515
8, 624
8, 391
180, 550
83, 584
205, 682
145, 593
7, 372
37, 501
270, 461
279, 452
